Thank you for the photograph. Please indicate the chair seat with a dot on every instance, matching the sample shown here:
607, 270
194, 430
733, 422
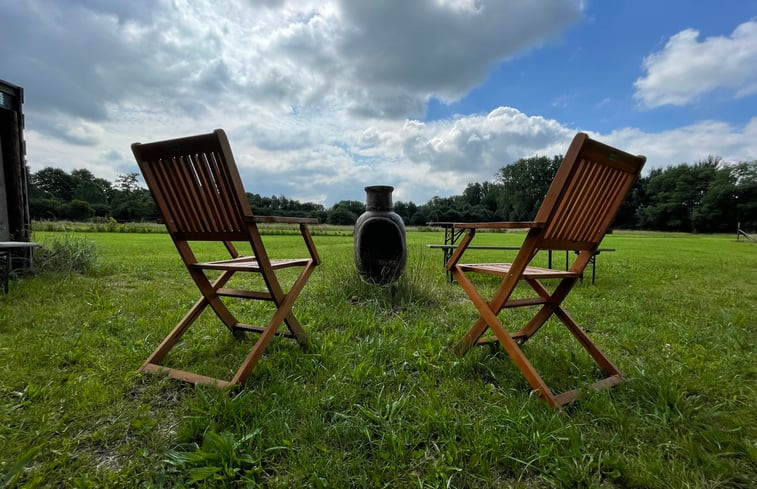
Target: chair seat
249, 264
502, 269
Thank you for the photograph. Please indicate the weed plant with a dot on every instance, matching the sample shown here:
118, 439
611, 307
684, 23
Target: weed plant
66, 254
379, 399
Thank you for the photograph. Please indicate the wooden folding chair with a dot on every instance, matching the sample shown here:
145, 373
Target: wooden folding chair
581, 204
199, 193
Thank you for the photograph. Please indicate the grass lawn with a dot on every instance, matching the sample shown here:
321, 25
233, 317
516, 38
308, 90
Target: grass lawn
379, 400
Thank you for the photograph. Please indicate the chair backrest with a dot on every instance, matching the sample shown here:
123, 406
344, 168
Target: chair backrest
586, 194
196, 186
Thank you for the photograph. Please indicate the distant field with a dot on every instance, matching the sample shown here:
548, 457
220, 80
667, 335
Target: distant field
379, 400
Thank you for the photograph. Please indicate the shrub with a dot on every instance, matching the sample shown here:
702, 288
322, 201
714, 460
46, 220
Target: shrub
66, 254
78, 209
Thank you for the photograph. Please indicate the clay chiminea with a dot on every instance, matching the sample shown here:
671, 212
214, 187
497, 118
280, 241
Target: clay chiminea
380, 249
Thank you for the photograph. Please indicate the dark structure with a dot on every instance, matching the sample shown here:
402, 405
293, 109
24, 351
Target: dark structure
15, 222
380, 249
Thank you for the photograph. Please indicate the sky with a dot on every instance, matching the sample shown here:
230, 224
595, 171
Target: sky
322, 98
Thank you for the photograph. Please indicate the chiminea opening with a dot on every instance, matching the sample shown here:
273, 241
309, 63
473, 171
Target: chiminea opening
380, 250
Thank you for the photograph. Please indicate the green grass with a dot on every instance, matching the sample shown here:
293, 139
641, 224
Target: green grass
379, 400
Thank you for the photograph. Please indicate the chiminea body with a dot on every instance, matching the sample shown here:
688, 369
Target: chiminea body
380, 249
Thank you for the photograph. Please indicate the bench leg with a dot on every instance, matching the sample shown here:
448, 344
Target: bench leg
5, 258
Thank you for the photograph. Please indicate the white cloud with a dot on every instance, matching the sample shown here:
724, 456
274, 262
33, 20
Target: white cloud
420, 159
295, 83
371, 58
689, 144
687, 68
436, 48
319, 98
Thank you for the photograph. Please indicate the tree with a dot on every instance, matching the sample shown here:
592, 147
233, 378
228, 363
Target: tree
709, 196
674, 193
129, 202
276, 206
260, 205
52, 183
78, 210
341, 216
419, 217
492, 195
745, 177
524, 184
440, 209
345, 212
128, 182
134, 206
473, 194
89, 188
44, 209
627, 214
405, 210
354, 206
717, 210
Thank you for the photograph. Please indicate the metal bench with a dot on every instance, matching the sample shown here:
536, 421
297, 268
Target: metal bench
448, 248
7, 255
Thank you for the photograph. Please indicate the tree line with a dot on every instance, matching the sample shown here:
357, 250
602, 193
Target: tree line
708, 196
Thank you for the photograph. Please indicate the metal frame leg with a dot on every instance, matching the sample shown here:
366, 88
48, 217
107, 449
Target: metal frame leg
5, 257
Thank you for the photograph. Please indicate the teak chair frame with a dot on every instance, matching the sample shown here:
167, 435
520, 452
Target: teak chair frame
578, 209
199, 194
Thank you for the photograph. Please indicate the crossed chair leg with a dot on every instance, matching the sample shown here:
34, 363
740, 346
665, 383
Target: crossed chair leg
550, 304
211, 292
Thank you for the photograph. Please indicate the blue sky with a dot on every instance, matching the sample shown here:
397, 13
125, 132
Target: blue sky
593, 64
321, 98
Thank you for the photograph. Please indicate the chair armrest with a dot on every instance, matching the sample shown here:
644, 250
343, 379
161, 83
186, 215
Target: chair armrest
284, 219
302, 221
471, 228
498, 225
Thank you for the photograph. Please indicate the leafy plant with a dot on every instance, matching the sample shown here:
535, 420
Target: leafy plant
68, 253
221, 458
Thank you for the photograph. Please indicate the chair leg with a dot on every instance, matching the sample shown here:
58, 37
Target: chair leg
178, 331
153, 362
279, 297
536, 322
607, 366
471, 337
555, 307
209, 289
283, 312
489, 317
553, 302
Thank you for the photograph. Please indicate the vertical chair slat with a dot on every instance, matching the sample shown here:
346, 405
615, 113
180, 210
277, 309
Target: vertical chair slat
175, 210
595, 191
197, 193
208, 192
184, 192
230, 207
225, 218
